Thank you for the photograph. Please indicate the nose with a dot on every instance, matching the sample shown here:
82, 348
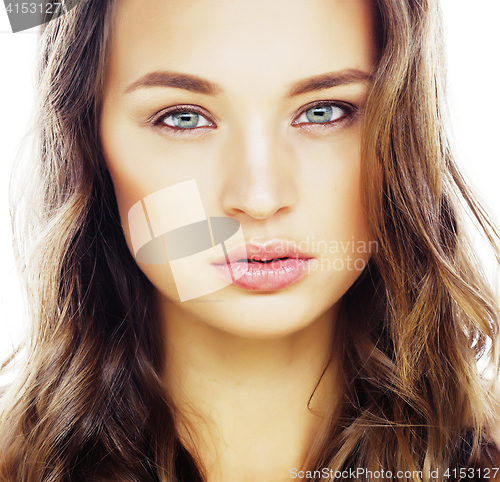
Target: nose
260, 178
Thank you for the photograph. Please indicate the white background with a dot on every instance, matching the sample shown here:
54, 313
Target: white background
473, 44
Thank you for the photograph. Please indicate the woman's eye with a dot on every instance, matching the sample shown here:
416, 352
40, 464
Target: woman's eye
184, 120
321, 114
318, 114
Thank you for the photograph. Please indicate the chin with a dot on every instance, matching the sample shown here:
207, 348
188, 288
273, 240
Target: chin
262, 315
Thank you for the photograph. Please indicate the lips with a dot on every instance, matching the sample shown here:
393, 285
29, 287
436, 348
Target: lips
264, 267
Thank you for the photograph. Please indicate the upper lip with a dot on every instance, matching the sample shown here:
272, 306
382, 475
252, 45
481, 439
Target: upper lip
278, 248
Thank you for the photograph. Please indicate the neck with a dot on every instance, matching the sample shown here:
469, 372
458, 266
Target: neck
245, 404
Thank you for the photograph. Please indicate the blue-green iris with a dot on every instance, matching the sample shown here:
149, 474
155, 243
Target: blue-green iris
185, 119
320, 114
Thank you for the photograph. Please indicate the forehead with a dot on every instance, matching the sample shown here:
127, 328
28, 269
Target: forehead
240, 42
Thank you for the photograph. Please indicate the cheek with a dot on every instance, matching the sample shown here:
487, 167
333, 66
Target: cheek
332, 184
128, 193
127, 190
134, 179
338, 234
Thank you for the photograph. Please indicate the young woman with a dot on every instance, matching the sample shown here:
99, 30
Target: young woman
344, 343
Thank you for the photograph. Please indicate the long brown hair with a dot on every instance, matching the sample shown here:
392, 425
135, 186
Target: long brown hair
89, 404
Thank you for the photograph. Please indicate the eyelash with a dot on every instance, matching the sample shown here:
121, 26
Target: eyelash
178, 109
350, 111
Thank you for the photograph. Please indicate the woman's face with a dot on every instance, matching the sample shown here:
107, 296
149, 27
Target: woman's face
260, 103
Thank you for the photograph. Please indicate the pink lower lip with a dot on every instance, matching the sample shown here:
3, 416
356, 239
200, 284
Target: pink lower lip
265, 276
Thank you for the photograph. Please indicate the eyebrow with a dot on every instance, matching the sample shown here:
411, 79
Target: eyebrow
199, 85
329, 80
176, 80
